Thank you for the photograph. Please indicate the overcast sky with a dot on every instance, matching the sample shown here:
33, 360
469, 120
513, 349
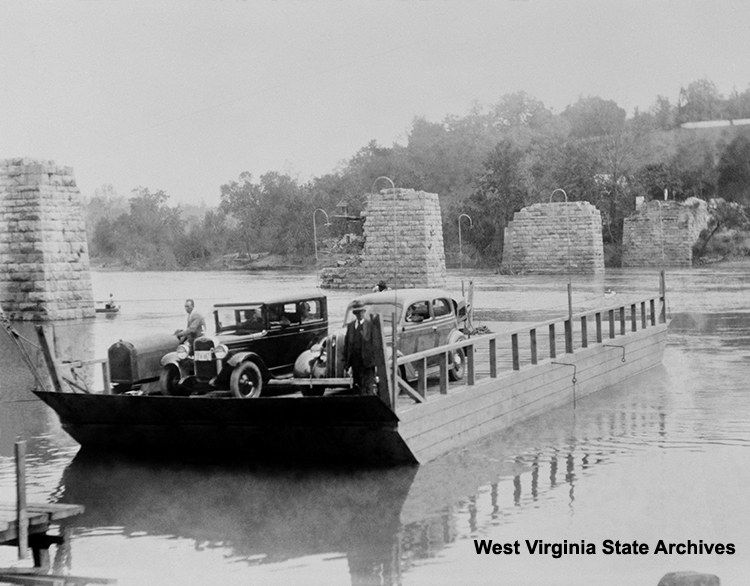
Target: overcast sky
184, 96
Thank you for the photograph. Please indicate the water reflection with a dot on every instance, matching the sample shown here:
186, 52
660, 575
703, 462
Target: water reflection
719, 330
384, 522
255, 516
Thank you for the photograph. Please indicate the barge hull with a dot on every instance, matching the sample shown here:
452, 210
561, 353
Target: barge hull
493, 404
335, 429
340, 429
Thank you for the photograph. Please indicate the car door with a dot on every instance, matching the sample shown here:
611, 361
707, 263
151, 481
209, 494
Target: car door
313, 326
280, 345
417, 332
444, 320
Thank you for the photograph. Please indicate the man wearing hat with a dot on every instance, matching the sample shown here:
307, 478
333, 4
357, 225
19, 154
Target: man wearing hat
360, 349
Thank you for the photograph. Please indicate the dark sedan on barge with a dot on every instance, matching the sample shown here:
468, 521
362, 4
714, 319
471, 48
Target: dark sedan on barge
254, 342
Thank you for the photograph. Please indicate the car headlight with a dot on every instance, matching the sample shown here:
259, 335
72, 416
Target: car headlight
182, 351
221, 351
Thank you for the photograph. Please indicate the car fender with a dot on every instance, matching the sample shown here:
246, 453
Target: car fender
310, 365
456, 336
170, 358
181, 365
409, 370
240, 357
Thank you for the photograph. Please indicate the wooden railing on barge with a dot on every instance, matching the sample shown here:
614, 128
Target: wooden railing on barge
604, 324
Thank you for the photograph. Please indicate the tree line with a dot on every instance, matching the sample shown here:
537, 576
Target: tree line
488, 164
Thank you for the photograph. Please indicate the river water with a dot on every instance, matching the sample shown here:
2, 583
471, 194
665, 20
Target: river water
663, 456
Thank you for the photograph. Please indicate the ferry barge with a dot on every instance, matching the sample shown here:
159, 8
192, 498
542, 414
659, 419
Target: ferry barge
509, 377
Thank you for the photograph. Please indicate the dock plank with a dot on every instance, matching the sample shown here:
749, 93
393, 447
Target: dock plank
53, 511
39, 516
34, 518
26, 578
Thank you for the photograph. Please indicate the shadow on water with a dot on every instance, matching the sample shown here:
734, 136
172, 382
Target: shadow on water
259, 515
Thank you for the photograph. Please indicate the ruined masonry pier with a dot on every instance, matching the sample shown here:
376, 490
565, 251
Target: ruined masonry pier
403, 232
555, 238
663, 233
44, 259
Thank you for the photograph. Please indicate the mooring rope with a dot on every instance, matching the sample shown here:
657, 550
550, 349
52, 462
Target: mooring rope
16, 337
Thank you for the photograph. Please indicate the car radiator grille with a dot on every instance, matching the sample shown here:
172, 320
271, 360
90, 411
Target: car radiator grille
204, 369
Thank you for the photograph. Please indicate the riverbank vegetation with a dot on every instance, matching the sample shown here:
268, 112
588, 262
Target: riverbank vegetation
488, 164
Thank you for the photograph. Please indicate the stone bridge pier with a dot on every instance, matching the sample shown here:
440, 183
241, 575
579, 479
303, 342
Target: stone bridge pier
555, 238
403, 233
663, 233
44, 259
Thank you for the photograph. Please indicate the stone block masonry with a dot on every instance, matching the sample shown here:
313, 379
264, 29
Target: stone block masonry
554, 238
403, 233
44, 258
663, 233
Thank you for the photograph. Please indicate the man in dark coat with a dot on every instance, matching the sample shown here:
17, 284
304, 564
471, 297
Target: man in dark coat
360, 350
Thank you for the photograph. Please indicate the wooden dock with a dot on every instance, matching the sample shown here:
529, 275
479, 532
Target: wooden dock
26, 525
39, 517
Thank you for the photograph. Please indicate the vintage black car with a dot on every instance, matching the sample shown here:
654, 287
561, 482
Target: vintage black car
254, 342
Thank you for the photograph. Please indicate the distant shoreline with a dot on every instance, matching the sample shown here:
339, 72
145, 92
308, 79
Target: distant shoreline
264, 263
281, 265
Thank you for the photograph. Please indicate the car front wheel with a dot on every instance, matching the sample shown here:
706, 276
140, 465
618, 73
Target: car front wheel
457, 366
246, 381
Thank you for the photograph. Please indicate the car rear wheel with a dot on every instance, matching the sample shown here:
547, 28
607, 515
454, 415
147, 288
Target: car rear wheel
169, 380
458, 365
246, 381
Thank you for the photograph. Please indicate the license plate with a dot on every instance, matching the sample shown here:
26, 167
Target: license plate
203, 355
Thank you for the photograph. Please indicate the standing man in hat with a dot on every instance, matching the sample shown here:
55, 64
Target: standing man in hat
360, 347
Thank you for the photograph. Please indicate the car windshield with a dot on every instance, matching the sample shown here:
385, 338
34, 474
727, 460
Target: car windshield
247, 318
384, 310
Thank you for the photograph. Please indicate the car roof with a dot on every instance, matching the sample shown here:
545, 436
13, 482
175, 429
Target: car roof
275, 298
403, 296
